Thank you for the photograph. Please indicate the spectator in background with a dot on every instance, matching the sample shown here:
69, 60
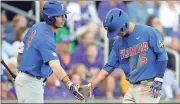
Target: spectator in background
105, 6
7, 28
76, 78
6, 48
4, 85
92, 60
19, 21
81, 70
106, 90
65, 57
12, 64
86, 38
109, 89
4, 19
120, 83
18, 27
157, 4
92, 28
51, 91
81, 14
154, 21
21, 32
64, 31
170, 88
169, 41
169, 16
176, 36
92, 74
140, 10
12, 94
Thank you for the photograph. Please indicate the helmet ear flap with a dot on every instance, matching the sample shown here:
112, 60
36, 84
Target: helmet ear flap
51, 20
125, 27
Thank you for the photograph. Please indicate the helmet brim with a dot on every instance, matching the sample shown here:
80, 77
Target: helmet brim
111, 35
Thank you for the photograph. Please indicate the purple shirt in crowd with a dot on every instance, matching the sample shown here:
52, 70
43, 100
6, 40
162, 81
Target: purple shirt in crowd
104, 7
102, 95
61, 93
176, 34
81, 57
68, 66
83, 21
50, 94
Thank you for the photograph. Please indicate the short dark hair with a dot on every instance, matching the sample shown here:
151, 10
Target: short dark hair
150, 19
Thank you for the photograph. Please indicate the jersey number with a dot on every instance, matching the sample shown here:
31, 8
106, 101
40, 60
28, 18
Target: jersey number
143, 58
30, 38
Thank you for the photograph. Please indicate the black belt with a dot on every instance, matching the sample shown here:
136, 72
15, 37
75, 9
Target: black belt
148, 80
37, 77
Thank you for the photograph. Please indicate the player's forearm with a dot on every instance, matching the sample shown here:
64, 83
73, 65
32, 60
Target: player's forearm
102, 75
59, 72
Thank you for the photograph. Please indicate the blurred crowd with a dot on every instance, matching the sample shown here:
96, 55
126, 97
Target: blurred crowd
78, 47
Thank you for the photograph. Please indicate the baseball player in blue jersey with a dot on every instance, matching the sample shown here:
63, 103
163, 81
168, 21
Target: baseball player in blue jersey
139, 51
38, 58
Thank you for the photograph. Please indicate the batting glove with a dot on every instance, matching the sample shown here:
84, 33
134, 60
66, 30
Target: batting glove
156, 89
74, 90
85, 90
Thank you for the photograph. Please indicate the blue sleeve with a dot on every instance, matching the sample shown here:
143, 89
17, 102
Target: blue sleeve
48, 51
157, 46
113, 61
161, 67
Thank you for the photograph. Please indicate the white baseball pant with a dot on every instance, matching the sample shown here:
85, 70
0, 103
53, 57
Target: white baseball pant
139, 93
29, 89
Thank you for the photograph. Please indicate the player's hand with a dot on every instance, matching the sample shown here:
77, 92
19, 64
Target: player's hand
156, 89
85, 90
74, 90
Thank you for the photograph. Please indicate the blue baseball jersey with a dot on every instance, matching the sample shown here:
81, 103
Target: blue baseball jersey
137, 54
39, 49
